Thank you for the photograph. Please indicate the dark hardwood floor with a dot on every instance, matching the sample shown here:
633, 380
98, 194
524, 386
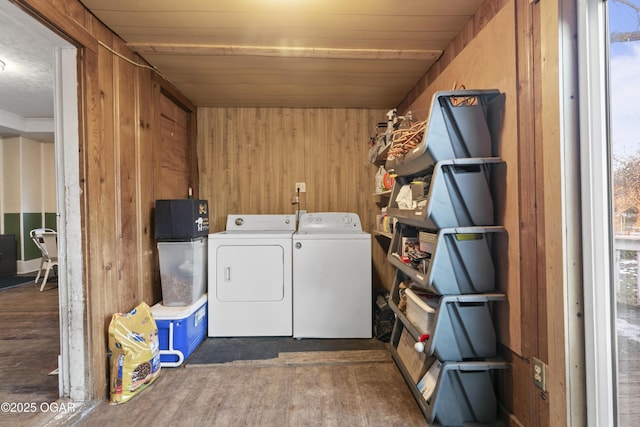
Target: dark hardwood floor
29, 348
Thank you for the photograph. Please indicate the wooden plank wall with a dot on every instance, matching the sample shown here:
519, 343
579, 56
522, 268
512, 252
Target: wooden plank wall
119, 116
250, 159
173, 149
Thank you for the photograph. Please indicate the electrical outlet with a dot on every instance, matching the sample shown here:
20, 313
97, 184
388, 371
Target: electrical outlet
301, 187
538, 370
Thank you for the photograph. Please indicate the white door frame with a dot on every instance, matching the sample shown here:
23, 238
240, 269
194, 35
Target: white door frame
74, 370
599, 301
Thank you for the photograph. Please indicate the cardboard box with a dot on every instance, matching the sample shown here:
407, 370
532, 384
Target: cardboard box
427, 241
419, 190
415, 363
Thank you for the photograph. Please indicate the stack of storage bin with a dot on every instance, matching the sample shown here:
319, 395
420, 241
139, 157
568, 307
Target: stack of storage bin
182, 227
444, 249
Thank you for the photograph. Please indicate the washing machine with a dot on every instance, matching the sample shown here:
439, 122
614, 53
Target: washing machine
332, 289
250, 277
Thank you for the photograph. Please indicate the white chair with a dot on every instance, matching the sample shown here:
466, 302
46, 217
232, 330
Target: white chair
46, 240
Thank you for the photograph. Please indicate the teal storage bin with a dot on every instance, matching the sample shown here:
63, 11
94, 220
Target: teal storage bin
457, 327
459, 194
460, 393
458, 127
454, 261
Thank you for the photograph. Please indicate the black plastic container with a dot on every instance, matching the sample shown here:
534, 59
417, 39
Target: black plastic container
181, 219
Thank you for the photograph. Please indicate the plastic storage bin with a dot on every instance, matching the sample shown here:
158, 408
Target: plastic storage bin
459, 195
421, 310
180, 330
457, 327
183, 271
452, 260
457, 127
181, 219
457, 393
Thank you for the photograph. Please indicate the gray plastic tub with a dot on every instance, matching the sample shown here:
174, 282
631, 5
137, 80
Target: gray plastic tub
457, 127
461, 329
459, 195
459, 260
457, 393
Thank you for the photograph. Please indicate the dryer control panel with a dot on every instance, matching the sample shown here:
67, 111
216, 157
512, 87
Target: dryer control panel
321, 222
259, 223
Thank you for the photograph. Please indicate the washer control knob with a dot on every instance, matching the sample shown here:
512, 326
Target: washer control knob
298, 245
239, 221
347, 220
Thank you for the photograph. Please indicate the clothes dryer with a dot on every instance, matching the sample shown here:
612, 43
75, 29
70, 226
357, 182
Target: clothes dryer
250, 277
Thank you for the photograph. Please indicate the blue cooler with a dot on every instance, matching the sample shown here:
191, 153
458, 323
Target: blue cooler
180, 330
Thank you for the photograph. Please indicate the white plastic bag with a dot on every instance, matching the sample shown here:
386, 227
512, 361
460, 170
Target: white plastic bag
404, 199
379, 180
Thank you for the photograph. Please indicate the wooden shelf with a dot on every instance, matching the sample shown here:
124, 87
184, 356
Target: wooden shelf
382, 234
381, 158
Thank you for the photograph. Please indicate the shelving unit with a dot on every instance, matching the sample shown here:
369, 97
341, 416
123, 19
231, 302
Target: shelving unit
382, 196
444, 251
383, 234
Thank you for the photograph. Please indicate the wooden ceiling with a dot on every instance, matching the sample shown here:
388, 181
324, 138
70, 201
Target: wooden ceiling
288, 53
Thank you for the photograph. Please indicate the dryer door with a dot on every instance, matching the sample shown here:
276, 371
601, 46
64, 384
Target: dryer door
250, 273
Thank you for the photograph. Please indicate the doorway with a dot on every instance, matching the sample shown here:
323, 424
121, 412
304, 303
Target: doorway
609, 57
62, 127
624, 79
